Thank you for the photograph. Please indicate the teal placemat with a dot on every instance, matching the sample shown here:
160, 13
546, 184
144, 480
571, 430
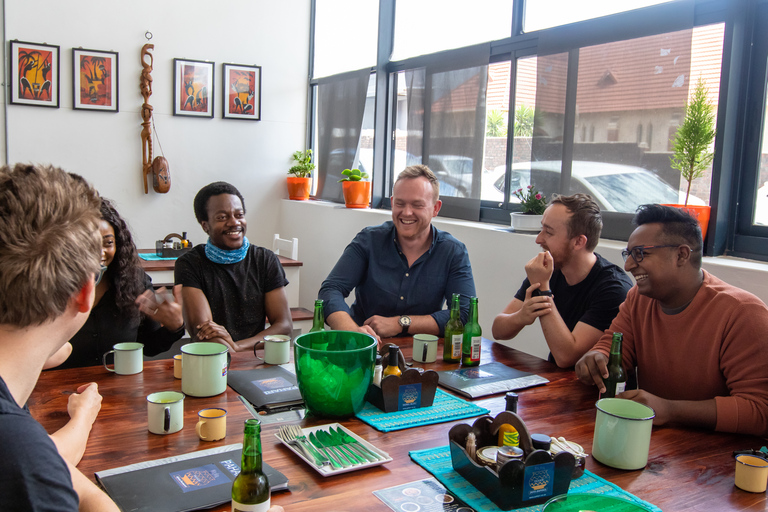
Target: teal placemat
444, 408
438, 462
148, 256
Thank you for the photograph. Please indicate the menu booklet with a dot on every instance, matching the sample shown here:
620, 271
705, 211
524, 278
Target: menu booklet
192, 481
488, 379
269, 388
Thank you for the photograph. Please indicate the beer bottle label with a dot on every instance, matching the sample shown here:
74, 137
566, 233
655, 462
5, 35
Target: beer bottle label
620, 387
456, 346
475, 348
259, 507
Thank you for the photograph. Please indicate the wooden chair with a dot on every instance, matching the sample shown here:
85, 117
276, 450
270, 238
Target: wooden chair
286, 247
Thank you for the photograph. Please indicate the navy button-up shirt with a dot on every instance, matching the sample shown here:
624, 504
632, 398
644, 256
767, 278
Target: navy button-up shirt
375, 267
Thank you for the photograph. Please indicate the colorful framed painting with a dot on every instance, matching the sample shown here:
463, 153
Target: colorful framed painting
34, 74
241, 86
193, 88
95, 77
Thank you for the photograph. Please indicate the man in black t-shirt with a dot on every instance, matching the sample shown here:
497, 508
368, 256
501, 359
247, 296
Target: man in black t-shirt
574, 292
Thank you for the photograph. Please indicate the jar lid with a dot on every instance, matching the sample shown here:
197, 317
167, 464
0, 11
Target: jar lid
512, 452
541, 441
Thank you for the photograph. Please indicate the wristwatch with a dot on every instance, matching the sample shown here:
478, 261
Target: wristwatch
540, 293
405, 323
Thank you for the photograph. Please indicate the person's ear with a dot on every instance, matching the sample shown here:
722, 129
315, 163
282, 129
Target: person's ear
83, 299
683, 255
579, 242
436, 210
204, 225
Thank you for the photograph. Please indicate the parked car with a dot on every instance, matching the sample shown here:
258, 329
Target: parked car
615, 187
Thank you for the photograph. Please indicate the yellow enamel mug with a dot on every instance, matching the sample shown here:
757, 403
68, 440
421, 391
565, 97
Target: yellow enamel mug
751, 473
622, 433
212, 425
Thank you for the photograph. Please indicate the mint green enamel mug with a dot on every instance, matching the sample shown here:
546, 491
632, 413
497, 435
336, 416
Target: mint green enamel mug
204, 369
622, 433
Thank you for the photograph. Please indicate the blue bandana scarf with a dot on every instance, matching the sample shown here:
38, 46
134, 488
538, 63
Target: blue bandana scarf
223, 257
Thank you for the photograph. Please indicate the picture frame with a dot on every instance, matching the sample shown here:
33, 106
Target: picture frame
192, 88
34, 74
95, 78
241, 92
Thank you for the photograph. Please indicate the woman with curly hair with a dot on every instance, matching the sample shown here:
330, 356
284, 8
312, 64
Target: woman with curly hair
125, 308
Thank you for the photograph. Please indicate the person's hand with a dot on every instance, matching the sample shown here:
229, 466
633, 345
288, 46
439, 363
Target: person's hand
539, 269
384, 326
592, 368
85, 404
276, 508
659, 405
211, 331
163, 307
534, 307
367, 329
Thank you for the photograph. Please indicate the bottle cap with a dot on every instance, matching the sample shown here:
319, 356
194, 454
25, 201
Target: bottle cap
541, 441
511, 399
378, 359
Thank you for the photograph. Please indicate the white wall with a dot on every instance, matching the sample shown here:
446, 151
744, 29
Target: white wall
106, 147
497, 255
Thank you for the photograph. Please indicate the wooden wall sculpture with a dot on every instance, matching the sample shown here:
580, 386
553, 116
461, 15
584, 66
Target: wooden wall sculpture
161, 177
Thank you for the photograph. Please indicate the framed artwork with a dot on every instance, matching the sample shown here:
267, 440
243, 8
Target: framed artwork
192, 88
95, 79
34, 74
241, 86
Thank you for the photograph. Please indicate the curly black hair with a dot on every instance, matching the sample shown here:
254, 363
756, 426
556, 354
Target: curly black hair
124, 273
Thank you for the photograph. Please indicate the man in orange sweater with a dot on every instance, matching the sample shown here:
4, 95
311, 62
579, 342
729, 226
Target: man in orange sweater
698, 343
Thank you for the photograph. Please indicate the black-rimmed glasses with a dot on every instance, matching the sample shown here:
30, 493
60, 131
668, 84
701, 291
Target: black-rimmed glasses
100, 275
638, 252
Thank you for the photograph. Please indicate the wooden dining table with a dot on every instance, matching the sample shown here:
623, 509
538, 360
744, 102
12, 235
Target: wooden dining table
688, 469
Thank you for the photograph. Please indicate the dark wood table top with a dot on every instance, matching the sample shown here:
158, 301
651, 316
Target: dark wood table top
150, 266
688, 469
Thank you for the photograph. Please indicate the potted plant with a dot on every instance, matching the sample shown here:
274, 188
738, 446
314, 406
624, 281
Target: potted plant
534, 203
300, 175
691, 147
357, 191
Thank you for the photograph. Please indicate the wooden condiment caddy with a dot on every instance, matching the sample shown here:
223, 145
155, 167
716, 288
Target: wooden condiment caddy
413, 389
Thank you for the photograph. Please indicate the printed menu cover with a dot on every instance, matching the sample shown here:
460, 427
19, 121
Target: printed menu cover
270, 388
422, 496
192, 481
488, 379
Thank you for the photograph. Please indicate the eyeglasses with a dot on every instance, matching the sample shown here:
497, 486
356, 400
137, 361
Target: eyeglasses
638, 252
100, 275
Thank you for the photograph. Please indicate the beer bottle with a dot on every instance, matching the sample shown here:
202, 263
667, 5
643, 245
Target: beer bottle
454, 333
473, 334
617, 377
250, 490
318, 322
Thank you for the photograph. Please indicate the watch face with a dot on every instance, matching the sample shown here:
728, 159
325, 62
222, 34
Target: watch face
405, 320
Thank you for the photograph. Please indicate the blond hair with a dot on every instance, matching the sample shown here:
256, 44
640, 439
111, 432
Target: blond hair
49, 241
418, 171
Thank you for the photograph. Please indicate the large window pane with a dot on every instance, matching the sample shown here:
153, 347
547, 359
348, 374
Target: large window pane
428, 26
346, 35
541, 14
761, 199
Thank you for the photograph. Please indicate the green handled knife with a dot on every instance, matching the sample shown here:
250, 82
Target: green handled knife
328, 442
316, 442
353, 443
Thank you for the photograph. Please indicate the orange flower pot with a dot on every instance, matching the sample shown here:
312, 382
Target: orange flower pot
298, 188
699, 212
357, 194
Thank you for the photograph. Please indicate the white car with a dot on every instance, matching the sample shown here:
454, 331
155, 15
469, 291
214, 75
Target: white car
615, 187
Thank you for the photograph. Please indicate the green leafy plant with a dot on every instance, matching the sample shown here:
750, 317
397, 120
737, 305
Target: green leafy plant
694, 137
532, 201
524, 121
496, 125
304, 165
353, 175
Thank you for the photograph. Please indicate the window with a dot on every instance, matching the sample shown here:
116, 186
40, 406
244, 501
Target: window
541, 14
337, 22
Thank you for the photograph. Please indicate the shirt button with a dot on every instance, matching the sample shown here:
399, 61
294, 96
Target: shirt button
407, 274
401, 298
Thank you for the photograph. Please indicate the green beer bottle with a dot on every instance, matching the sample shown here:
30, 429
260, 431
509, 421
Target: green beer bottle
617, 377
250, 490
473, 334
318, 323
454, 333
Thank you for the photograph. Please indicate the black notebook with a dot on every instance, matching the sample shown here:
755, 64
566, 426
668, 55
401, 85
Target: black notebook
270, 389
192, 481
488, 379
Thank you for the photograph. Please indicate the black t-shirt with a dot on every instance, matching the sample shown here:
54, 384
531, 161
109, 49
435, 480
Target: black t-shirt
594, 301
33, 476
235, 291
107, 325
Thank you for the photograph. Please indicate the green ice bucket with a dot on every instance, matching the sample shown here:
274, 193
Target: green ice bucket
334, 370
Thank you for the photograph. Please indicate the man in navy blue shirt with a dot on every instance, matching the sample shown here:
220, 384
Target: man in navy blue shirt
402, 271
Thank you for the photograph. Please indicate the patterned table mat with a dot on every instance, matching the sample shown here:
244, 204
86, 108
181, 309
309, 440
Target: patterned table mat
148, 256
445, 407
438, 462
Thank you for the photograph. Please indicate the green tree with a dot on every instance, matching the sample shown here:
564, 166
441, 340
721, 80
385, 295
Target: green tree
496, 125
694, 137
523, 121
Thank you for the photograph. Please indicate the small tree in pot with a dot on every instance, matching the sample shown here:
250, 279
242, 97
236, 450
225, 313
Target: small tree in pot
300, 175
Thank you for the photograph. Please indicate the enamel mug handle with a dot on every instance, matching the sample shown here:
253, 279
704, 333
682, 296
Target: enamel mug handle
104, 360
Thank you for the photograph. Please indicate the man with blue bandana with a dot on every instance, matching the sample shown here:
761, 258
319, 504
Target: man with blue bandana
230, 287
